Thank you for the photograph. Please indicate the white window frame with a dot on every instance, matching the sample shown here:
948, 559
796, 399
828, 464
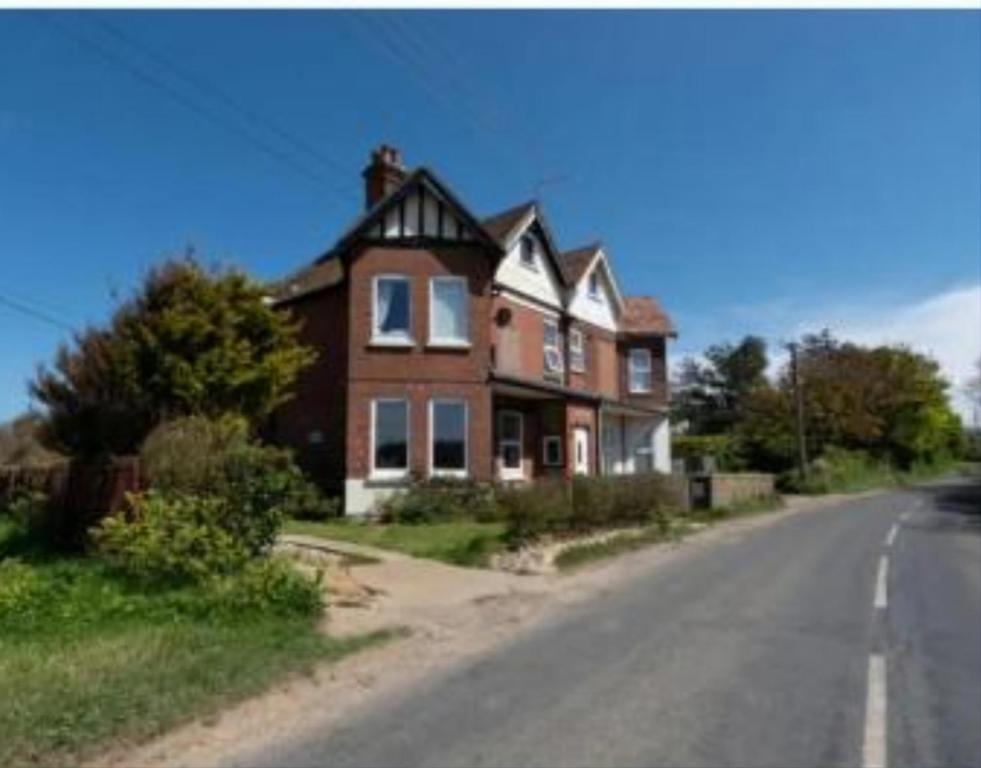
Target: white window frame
511, 473
446, 341
533, 263
434, 471
560, 368
577, 350
390, 473
400, 339
632, 368
555, 440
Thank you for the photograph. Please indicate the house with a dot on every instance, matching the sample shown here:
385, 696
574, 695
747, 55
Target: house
458, 346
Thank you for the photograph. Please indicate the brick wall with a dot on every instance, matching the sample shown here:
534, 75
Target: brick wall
419, 373
313, 422
658, 396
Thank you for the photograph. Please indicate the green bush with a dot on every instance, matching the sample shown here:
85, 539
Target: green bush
532, 510
725, 449
439, 500
20, 589
29, 522
269, 585
626, 500
170, 539
838, 470
258, 484
587, 504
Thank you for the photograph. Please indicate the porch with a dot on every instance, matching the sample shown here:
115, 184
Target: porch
542, 430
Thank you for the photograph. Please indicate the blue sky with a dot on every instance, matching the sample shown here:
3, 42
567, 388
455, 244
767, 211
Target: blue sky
766, 172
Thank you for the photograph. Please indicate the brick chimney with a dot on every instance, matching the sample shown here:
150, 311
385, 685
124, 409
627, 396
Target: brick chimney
383, 174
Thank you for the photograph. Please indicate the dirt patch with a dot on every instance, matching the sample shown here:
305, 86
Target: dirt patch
452, 615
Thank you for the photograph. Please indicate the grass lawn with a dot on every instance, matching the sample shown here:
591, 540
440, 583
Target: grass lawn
459, 543
86, 661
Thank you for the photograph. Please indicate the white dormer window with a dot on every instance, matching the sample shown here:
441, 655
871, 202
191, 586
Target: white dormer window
594, 290
528, 252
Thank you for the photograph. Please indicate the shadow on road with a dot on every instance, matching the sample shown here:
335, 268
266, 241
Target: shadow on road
959, 501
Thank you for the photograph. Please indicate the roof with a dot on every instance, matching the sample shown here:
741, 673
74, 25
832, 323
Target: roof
501, 226
577, 261
312, 278
504, 226
644, 314
327, 269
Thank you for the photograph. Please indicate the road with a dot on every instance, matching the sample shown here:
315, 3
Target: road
844, 636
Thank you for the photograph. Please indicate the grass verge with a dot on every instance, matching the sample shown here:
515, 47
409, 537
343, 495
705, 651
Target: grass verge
576, 555
465, 543
86, 662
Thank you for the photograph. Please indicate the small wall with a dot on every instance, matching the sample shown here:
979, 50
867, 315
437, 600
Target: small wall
727, 489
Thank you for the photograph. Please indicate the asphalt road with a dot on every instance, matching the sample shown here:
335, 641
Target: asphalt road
824, 639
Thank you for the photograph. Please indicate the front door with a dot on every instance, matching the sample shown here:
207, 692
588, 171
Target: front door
580, 448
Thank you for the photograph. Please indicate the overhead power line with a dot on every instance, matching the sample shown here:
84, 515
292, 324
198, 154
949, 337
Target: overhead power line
37, 314
200, 83
153, 81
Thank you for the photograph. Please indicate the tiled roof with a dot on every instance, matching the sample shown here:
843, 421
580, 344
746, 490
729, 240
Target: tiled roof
576, 261
643, 314
501, 225
314, 277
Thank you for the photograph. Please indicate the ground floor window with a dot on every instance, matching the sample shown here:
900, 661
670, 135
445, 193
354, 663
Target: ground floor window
390, 437
644, 452
448, 437
509, 434
552, 451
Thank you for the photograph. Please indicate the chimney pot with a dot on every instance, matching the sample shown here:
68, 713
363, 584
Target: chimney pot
384, 173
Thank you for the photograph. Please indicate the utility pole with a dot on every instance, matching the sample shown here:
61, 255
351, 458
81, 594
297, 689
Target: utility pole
799, 408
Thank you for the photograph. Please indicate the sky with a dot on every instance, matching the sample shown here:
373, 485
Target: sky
759, 172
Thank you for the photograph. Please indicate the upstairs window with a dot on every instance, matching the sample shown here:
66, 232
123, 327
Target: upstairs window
448, 432
528, 252
392, 315
390, 438
553, 347
577, 351
594, 289
639, 370
448, 311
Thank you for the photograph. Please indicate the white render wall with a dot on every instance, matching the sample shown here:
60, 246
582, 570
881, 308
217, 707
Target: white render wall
361, 496
598, 310
541, 283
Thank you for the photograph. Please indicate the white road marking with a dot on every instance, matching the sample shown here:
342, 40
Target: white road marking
891, 537
874, 744
905, 516
880, 582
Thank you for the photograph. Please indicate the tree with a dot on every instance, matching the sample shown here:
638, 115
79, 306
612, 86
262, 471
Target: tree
711, 396
888, 401
192, 341
20, 444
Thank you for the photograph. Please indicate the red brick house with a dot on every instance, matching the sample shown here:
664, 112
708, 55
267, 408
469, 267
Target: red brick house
461, 346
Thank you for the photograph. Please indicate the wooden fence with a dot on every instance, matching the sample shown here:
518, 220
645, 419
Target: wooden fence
79, 493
